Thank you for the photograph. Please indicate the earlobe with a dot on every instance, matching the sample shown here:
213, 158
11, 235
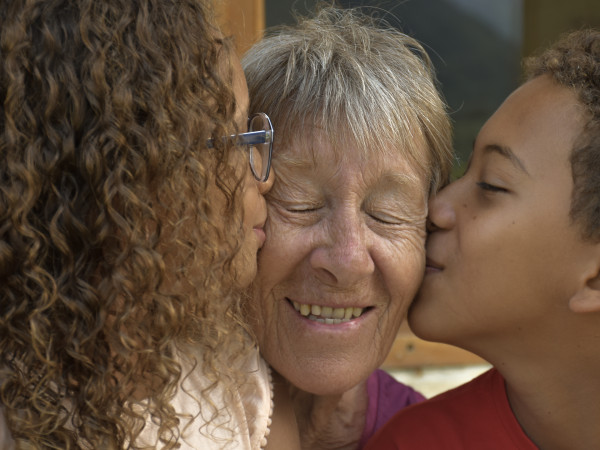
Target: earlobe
587, 299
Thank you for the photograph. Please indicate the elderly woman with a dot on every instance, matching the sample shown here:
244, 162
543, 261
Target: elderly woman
363, 140
128, 228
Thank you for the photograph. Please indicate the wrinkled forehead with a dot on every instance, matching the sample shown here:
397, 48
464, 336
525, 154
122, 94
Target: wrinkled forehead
308, 139
313, 146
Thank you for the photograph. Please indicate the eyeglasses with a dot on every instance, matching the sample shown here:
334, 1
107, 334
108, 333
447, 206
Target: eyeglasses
259, 141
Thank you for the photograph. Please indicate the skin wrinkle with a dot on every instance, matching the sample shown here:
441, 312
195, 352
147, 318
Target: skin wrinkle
294, 190
410, 227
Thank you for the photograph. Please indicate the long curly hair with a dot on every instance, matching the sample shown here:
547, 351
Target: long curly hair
112, 248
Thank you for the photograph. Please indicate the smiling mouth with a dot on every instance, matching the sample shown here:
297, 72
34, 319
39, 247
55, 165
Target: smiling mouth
327, 314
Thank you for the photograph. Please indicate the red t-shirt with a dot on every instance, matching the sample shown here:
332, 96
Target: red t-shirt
473, 416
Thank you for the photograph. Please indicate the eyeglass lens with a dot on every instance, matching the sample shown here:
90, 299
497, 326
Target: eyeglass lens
259, 153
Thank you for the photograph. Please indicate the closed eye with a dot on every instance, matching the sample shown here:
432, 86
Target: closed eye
303, 209
385, 220
490, 187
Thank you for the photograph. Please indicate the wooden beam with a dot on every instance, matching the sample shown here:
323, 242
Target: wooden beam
244, 20
408, 351
545, 20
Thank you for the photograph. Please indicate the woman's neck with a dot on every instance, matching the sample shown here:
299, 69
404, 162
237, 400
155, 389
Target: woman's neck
331, 421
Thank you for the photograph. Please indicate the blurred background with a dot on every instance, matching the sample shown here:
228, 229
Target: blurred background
477, 47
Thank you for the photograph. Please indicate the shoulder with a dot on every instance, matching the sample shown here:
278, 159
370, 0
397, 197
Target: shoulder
256, 397
456, 404
219, 414
386, 387
446, 419
249, 404
386, 396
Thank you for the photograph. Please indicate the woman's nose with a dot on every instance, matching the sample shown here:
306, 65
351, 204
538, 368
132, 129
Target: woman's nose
344, 258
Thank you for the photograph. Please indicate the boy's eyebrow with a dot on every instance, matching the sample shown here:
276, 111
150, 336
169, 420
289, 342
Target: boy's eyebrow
508, 154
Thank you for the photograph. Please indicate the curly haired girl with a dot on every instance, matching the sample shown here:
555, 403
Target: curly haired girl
124, 239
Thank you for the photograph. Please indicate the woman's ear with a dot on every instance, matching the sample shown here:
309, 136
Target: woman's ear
587, 299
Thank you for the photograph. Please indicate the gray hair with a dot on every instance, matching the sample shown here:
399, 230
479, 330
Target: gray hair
352, 77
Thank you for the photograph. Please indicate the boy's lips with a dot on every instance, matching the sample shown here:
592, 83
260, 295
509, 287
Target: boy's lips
431, 264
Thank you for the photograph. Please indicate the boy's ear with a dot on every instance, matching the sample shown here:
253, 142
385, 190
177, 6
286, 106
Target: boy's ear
587, 299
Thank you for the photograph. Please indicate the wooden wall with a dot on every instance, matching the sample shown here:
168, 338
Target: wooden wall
545, 20
408, 351
242, 19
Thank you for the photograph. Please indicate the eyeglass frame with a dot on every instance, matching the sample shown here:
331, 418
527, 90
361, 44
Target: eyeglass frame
251, 138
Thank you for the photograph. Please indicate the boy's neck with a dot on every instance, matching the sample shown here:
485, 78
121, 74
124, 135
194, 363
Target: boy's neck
556, 403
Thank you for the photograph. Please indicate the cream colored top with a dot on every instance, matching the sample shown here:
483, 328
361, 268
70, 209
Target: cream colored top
221, 420
237, 420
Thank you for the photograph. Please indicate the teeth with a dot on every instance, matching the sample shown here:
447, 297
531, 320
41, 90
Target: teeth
326, 321
305, 309
327, 314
